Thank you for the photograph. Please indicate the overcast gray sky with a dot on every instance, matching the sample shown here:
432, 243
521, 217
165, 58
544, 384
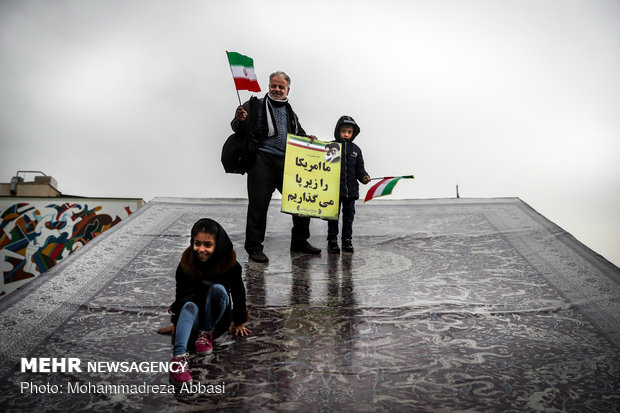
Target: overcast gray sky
122, 98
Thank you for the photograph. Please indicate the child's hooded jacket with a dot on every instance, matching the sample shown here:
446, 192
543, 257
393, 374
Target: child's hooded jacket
352, 162
194, 278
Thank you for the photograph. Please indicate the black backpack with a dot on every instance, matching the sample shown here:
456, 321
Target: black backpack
238, 153
240, 148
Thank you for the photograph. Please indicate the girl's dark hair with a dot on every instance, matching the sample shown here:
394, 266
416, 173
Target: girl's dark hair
223, 244
204, 225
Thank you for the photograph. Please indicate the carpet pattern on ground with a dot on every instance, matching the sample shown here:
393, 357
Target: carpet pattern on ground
468, 305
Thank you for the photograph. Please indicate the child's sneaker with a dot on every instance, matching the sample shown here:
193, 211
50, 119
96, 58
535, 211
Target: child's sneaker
204, 343
347, 245
332, 246
181, 374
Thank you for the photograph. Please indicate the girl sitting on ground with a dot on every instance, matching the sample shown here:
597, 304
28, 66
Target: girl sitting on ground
209, 295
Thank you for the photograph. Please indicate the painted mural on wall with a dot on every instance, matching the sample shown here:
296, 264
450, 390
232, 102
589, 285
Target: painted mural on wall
37, 235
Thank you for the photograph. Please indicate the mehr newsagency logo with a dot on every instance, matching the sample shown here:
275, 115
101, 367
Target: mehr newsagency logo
75, 365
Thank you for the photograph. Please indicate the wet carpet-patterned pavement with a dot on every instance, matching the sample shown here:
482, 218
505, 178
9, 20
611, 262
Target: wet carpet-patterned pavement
479, 305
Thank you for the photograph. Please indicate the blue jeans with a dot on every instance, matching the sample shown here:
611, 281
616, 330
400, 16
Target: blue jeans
215, 305
347, 206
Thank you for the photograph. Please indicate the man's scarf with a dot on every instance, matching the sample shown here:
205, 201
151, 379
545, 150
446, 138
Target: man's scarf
269, 103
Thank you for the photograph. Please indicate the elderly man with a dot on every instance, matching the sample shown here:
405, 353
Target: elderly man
267, 121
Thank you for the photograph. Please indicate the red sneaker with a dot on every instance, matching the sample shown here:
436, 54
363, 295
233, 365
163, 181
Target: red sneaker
181, 372
204, 343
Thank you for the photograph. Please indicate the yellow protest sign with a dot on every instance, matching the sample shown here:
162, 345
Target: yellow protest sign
311, 184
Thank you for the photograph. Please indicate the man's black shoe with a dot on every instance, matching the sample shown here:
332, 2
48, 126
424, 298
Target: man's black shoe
259, 256
306, 248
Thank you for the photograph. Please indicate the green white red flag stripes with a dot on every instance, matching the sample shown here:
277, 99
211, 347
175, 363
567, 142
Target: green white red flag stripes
242, 68
384, 187
304, 142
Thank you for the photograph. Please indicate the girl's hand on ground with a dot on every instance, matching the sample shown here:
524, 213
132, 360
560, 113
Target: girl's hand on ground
166, 330
239, 330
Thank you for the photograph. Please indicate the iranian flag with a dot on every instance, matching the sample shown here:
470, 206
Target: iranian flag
304, 142
384, 187
242, 68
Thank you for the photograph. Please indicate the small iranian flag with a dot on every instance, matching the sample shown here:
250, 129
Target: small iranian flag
242, 68
384, 187
304, 142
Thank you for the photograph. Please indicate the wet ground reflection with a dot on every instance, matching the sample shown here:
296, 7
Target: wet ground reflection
447, 305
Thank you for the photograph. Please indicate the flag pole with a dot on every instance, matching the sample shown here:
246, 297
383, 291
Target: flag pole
390, 177
233, 76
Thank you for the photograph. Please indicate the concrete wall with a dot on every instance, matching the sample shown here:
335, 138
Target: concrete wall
42, 186
36, 233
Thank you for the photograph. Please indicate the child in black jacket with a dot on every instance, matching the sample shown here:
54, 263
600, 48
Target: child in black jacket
210, 295
351, 171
